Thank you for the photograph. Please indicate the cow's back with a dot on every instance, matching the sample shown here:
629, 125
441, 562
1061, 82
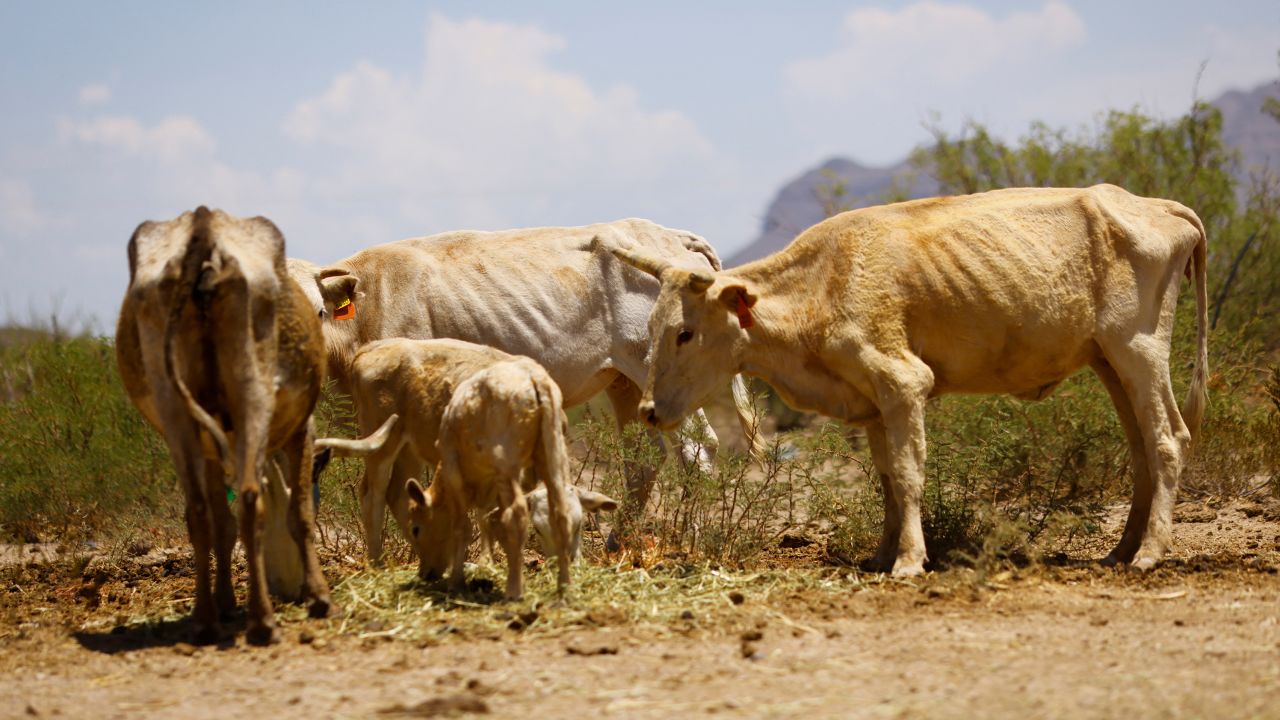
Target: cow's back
997, 292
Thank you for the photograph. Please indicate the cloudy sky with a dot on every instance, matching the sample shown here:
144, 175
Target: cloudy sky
354, 124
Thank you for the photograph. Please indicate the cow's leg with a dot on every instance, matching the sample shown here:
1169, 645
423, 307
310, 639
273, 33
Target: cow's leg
625, 395
224, 537
373, 499
298, 450
1140, 509
696, 442
189, 462
1143, 369
902, 387
461, 526
887, 553
406, 466
251, 460
515, 526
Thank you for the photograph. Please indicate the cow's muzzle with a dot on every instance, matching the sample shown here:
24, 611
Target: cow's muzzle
647, 413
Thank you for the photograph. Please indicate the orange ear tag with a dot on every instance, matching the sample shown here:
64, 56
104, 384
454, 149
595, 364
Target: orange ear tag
744, 314
346, 310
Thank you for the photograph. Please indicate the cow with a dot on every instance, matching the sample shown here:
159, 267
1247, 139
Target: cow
867, 315
501, 422
536, 292
284, 569
219, 350
579, 501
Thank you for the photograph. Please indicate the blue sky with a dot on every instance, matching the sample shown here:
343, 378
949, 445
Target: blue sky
354, 124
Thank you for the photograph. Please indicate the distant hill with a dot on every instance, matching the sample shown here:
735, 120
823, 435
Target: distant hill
798, 204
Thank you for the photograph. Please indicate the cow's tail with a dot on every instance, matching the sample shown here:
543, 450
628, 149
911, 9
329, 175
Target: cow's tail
199, 251
359, 447
554, 460
748, 418
1197, 394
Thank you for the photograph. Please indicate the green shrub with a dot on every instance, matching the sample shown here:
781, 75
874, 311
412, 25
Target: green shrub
78, 459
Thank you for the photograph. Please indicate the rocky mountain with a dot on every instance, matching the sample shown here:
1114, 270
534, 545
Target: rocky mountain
800, 203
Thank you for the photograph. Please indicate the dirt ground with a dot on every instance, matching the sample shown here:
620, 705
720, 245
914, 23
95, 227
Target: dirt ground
1198, 637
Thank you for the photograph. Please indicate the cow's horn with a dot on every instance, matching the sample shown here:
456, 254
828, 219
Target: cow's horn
700, 281
342, 447
648, 263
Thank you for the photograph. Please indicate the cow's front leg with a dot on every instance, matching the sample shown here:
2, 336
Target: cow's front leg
902, 388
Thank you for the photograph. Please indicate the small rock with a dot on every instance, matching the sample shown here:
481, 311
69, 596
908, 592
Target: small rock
737, 598
751, 651
588, 650
795, 540
686, 615
1194, 513
306, 637
478, 686
528, 616
751, 636
186, 649
32, 710
319, 644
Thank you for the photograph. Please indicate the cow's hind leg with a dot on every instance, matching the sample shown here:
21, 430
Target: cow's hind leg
373, 499
515, 526
1140, 508
1143, 369
224, 537
199, 518
302, 521
887, 553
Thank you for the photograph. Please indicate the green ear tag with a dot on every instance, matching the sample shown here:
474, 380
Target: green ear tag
231, 494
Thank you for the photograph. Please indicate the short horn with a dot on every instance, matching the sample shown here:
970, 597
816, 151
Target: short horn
342, 447
699, 281
648, 263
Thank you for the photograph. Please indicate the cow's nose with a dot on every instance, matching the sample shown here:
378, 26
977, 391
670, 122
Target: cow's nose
646, 412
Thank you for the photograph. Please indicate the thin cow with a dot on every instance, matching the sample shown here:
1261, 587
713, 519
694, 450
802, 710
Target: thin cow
537, 292
218, 349
867, 315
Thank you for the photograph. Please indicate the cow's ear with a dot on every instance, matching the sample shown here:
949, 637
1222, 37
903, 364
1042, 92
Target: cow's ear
416, 493
739, 301
592, 501
337, 286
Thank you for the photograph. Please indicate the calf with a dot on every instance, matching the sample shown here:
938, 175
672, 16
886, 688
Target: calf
501, 421
220, 351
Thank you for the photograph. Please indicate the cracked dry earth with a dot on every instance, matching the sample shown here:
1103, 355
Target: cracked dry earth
1198, 637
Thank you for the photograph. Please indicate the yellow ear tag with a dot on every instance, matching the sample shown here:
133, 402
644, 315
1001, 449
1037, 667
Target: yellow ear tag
345, 310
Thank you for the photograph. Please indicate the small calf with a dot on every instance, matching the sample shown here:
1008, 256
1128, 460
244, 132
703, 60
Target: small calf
540, 517
501, 421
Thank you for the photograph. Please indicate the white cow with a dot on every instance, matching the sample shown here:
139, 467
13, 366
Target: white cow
867, 315
536, 292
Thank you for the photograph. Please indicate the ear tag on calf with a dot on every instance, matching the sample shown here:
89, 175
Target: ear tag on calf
744, 314
345, 310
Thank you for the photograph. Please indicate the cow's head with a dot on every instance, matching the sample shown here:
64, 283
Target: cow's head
430, 531
697, 334
333, 294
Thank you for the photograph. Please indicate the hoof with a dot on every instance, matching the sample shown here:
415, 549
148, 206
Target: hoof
876, 565
206, 635
909, 570
262, 635
321, 608
1144, 562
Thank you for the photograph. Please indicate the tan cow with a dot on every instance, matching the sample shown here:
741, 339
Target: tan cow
218, 349
867, 315
501, 422
416, 379
537, 292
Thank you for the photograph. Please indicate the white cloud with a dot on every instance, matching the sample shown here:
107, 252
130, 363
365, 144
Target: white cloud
174, 138
932, 43
95, 94
18, 213
488, 133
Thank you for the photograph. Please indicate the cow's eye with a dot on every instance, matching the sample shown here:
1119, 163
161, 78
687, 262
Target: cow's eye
685, 336
322, 313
